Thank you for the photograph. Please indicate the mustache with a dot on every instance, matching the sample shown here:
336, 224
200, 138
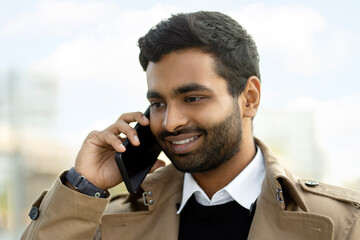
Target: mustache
197, 130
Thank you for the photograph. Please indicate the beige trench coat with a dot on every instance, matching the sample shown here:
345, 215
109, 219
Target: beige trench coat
287, 208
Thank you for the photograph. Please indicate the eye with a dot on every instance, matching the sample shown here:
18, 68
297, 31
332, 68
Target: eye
192, 99
157, 104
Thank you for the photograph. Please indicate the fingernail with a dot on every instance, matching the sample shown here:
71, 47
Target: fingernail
145, 118
122, 147
136, 138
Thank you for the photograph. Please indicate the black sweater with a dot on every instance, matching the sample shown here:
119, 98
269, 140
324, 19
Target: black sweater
226, 221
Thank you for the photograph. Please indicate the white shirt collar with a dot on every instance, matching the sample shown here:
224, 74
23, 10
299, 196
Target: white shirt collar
244, 189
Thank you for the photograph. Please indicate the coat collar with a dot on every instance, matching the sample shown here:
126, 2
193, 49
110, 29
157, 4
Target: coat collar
281, 210
161, 185
278, 181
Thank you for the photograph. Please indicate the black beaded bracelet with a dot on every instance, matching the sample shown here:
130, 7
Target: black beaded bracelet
83, 185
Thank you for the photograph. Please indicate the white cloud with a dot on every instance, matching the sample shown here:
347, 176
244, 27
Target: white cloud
89, 58
101, 36
73, 18
106, 51
53, 17
295, 36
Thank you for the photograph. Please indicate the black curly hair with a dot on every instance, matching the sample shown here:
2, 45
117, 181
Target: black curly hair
234, 50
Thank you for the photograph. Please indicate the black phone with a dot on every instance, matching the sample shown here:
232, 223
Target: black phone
135, 163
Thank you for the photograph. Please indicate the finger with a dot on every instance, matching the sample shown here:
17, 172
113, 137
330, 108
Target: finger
114, 141
122, 126
125, 128
158, 164
128, 118
104, 138
135, 117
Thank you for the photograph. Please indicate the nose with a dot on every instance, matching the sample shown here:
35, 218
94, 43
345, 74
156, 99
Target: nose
174, 119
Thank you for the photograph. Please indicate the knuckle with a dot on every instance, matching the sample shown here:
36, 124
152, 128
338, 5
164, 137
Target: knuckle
120, 120
114, 141
110, 138
93, 133
130, 131
106, 134
109, 135
130, 115
122, 116
139, 116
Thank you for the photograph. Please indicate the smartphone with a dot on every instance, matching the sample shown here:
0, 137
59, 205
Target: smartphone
135, 163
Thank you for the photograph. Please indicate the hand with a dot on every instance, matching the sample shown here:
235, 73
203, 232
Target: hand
95, 160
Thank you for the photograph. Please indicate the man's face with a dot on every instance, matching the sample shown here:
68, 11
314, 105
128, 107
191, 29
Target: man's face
196, 121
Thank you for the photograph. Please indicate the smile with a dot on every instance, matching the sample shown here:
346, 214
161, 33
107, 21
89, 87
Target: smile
184, 141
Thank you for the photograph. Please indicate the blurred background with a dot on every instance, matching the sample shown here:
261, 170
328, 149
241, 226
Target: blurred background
69, 67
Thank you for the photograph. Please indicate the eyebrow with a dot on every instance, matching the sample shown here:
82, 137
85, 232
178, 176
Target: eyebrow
181, 90
191, 88
153, 94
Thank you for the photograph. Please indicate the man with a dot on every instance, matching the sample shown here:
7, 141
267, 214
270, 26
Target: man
204, 90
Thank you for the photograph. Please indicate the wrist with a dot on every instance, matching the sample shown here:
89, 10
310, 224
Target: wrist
77, 182
69, 185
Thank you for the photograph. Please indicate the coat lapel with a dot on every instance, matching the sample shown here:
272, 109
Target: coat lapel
158, 220
281, 212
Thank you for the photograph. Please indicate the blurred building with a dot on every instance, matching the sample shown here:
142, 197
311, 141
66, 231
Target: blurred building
292, 137
30, 157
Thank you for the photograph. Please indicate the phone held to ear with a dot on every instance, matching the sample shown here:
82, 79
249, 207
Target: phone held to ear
135, 163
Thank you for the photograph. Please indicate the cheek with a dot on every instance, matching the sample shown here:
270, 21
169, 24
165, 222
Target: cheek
202, 118
209, 115
155, 124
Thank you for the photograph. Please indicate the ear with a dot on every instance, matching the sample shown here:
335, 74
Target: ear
251, 97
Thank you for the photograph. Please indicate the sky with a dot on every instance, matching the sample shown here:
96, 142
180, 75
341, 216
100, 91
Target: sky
309, 56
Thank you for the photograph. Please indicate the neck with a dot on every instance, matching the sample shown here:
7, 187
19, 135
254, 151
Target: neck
216, 179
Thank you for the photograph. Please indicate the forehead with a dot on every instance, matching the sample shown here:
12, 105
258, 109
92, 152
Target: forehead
183, 67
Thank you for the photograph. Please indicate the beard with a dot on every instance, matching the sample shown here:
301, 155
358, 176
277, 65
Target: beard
221, 143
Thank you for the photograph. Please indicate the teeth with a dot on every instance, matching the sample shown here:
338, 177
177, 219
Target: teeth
184, 141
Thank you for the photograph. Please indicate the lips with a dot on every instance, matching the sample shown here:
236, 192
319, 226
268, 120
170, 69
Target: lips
182, 138
183, 143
